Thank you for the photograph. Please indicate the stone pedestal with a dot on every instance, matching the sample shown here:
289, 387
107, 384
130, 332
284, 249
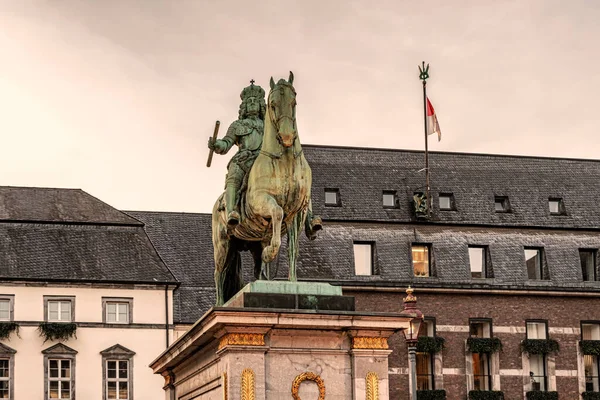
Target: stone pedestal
237, 353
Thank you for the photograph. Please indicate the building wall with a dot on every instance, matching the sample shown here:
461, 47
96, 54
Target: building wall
146, 336
508, 314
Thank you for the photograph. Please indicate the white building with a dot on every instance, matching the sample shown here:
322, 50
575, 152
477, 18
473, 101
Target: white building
69, 261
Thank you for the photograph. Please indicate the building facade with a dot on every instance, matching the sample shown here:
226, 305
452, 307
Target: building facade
85, 299
505, 267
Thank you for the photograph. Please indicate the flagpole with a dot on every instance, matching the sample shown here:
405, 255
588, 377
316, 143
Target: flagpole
424, 74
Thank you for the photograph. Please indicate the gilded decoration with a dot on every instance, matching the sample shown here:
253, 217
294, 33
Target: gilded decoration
169, 377
410, 297
308, 376
366, 342
248, 384
224, 385
242, 339
372, 386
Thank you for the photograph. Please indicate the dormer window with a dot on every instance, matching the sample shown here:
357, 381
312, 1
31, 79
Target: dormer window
556, 206
390, 199
446, 202
332, 197
501, 204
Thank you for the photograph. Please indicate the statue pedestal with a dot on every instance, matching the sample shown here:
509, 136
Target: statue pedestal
240, 352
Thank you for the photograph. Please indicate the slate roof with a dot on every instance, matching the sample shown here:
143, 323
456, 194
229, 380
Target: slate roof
67, 235
58, 205
184, 240
361, 175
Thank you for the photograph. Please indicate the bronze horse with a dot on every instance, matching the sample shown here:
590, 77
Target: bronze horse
277, 200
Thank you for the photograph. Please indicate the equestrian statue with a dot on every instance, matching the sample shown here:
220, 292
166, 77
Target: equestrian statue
267, 189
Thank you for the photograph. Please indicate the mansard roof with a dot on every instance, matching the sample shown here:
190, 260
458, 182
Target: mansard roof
362, 174
68, 235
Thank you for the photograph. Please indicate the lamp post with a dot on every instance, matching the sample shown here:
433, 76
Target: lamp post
411, 335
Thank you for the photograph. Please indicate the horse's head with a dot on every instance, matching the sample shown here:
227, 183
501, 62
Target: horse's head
282, 110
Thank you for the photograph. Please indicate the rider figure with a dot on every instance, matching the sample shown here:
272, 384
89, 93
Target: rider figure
247, 134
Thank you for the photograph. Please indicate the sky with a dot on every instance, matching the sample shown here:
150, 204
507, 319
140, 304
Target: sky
119, 97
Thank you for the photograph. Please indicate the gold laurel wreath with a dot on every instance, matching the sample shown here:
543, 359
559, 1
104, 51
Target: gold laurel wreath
308, 376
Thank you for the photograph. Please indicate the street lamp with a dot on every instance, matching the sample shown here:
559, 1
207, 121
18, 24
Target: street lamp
411, 334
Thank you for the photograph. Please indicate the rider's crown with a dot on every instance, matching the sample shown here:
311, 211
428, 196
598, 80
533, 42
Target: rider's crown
252, 91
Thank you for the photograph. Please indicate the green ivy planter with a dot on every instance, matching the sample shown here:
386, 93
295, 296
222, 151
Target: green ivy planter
537, 395
431, 395
590, 395
57, 331
539, 346
484, 345
427, 344
6, 328
590, 347
486, 395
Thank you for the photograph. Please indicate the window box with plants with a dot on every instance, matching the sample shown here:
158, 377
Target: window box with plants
590, 347
537, 395
484, 345
432, 345
6, 328
431, 394
590, 395
486, 395
539, 346
60, 331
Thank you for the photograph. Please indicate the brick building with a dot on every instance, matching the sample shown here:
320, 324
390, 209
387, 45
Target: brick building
509, 253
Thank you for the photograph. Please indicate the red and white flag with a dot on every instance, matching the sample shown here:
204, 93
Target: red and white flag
432, 121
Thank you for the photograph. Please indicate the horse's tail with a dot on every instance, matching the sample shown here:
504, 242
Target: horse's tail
233, 280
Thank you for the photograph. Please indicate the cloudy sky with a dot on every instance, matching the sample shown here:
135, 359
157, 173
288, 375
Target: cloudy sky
118, 97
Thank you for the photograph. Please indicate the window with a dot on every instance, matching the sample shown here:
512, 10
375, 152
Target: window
117, 379
480, 328
363, 258
533, 261
117, 310
482, 378
478, 261
332, 197
390, 199
421, 259
588, 264
537, 330
117, 367
446, 202
59, 372
4, 378
556, 206
6, 308
59, 308
425, 361
59, 379
591, 364
537, 362
501, 204
6, 371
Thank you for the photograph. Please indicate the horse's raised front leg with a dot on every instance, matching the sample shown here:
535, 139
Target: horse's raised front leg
293, 236
270, 209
